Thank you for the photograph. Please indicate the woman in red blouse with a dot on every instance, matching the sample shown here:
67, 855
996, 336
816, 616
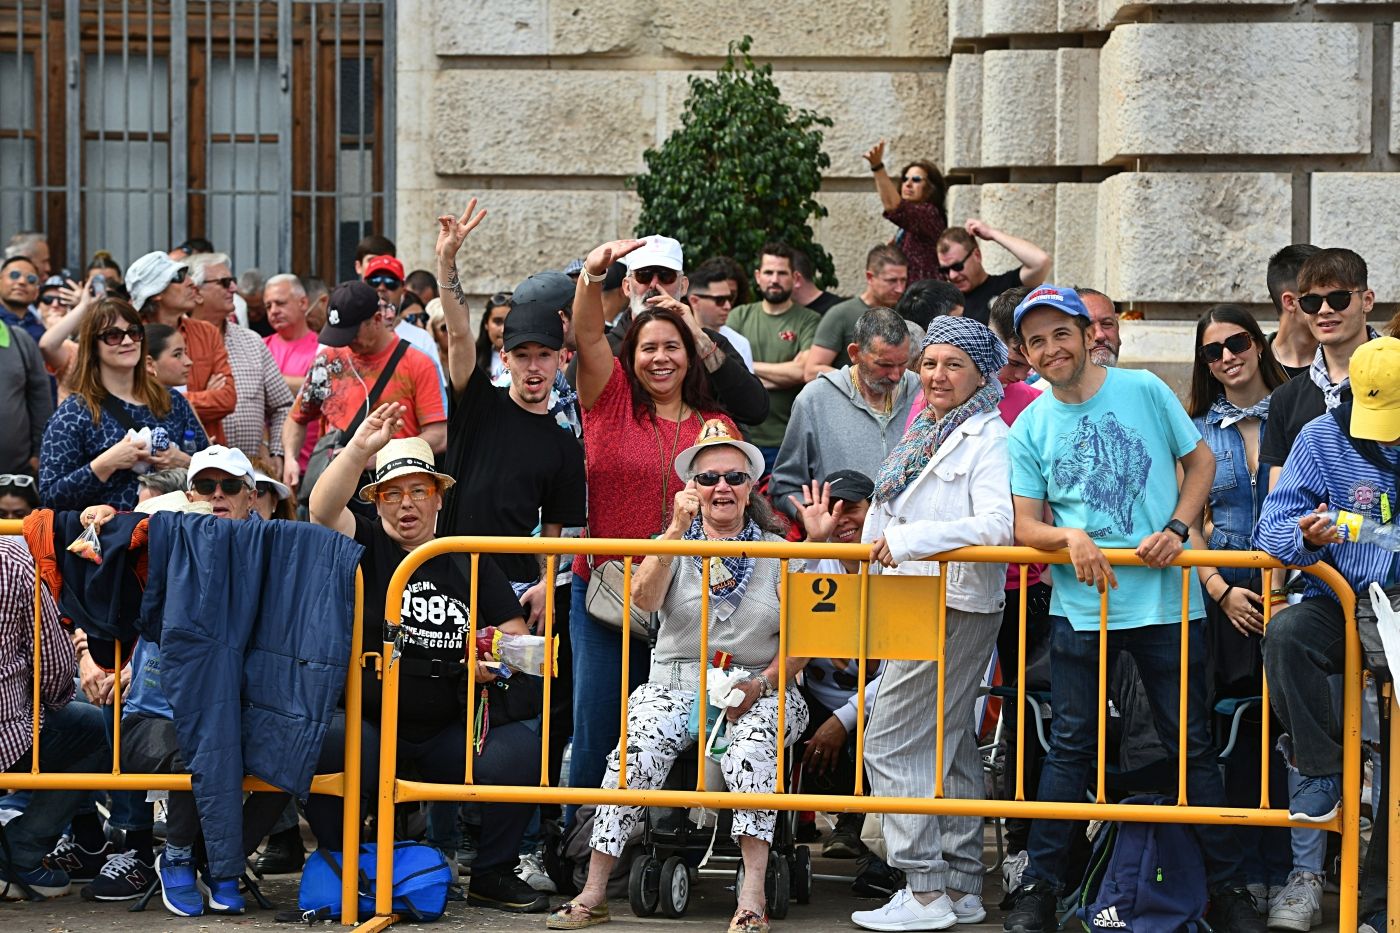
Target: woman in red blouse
640, 409
916, 207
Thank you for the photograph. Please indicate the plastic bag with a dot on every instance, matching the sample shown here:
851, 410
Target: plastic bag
88, 545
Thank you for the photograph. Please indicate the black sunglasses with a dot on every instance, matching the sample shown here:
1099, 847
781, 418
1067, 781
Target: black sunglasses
51, 300
913, 178
223, 283
112, 336
180, 275
953, 266
644, 276
16, 275
732, 477
206, 487
1337, 301
717, 299
388, 281
1235, 343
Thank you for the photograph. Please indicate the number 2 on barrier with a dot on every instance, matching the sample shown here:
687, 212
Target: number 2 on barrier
824, 616
825, 588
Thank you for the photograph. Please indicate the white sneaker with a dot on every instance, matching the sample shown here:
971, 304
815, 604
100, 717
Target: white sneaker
1300, 904
1012, 868
969, 909
904, 912
531, 871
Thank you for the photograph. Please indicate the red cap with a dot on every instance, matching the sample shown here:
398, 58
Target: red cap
384, 264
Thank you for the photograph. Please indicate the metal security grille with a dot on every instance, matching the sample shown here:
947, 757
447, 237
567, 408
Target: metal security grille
265, 126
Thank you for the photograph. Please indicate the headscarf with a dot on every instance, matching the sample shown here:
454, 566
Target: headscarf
928, 432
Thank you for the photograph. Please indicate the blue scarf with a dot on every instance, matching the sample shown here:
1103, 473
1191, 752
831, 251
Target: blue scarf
729, 576
1230, 413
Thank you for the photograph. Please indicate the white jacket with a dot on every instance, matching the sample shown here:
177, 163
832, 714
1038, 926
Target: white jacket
963, 497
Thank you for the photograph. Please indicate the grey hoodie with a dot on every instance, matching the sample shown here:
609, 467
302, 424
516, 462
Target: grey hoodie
834, 428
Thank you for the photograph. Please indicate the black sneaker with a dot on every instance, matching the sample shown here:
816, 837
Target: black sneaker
501, 888
283, 854
1232, 911
843, 844
1032, 910
124, 878
80, 864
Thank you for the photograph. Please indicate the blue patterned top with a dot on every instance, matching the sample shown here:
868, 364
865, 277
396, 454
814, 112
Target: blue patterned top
72, 440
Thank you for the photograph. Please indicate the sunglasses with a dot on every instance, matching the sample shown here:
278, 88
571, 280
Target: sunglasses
953, 266
720, 300
914, 178
112, 336
180, 274
388, 281
225, 283
644, 276
230, 487
1337, 301
1235, 343
394, 495
16, 275
265, 489
732, 477
23, 481
51, 300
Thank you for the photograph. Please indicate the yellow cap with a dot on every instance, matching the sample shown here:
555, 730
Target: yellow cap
1375, 390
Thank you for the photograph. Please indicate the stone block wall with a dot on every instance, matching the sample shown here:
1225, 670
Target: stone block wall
1160, 149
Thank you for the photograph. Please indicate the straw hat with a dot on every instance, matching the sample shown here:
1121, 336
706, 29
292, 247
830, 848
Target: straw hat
401, 457
715, 433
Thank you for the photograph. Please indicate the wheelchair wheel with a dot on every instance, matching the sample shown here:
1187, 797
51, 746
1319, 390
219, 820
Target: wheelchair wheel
644, 885
778, 885
802, 876
675, 887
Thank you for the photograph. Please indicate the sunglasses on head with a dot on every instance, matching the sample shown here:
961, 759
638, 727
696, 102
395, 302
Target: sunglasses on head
914, 178
1235, 343
16, 275
732, 477
112, 336
385, 279
953, 266
1337, 301
22, 480
717, 299
644, 276
225, 283
230, 487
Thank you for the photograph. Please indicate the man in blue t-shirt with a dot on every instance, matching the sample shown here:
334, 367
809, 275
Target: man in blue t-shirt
1101, 449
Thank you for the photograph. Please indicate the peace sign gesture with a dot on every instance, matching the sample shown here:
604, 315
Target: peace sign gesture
453, 230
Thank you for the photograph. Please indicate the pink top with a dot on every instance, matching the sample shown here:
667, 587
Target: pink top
1015, 398
626, 458
293, 358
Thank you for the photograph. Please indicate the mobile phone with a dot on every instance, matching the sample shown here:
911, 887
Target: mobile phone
99, 285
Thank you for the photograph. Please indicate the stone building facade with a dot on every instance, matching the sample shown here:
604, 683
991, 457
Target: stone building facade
1160, 149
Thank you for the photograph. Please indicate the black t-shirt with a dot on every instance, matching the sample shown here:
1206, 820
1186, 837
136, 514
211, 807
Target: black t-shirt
823, 302
1292, 405
514, 470
435, 620
977, 304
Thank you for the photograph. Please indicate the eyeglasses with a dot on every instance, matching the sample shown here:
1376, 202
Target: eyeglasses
22, 480
717, 299
230, 487
953, 266
644, 276
732, 477
914, 178
383, 278
394, 494
112, 336
1337, 301
180, 275
225, 283
16, 275
1235, 343
51, 300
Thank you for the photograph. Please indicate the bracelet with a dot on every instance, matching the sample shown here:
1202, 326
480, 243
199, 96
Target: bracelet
1206, 581
714, 347
877, 167
1220, 600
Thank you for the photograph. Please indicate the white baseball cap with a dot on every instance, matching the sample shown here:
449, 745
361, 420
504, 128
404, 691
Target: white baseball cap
218, 457
656, 250
150, 275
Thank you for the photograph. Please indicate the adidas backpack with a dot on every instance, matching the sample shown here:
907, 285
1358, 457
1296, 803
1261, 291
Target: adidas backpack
1144, 878
421, 877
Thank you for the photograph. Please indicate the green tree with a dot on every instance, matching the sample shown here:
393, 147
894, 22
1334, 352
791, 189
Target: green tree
742, 169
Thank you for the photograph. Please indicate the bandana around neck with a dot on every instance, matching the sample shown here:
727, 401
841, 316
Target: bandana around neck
729, 576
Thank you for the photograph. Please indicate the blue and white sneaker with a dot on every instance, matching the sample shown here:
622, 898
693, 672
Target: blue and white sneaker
45, 882
222, 893
1316, 798
179, 887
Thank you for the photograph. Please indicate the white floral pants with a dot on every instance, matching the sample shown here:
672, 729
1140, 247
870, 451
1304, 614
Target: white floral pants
657, 716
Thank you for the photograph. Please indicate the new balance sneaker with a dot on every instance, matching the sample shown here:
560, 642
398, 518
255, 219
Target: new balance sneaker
531, 871
43, 881
222, 893
501, 889
969, 909
1232, 911
904, 912
1300, 904
1032, 909
78, 863
1315, 799
178, 887
124, 878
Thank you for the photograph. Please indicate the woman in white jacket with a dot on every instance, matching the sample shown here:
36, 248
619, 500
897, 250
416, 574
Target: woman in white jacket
946, 485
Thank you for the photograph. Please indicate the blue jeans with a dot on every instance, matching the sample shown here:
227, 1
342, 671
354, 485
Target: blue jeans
71, 741
1069, 767
597, 702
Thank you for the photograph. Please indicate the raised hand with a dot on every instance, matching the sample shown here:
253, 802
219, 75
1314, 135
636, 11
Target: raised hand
378, 428
603, 256
687, 506
977, 228
817, 516
875, 155
453, 231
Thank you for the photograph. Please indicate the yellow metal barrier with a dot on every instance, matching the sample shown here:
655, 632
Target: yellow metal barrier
856, 616
345, 784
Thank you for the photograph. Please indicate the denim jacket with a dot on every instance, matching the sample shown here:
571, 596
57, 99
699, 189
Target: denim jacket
1235, 496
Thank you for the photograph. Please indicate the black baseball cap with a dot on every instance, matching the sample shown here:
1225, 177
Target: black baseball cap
534, 311
850, 485
352, 303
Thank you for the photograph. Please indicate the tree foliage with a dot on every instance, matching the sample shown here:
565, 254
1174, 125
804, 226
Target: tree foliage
742, 169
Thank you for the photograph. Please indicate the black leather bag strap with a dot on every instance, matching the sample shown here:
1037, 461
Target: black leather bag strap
378, 389
112, 407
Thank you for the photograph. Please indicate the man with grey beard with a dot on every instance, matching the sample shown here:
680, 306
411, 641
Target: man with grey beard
1103, 327
849, 418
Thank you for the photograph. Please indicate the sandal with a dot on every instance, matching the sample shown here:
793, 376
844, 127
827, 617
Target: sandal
746, 921
573, 916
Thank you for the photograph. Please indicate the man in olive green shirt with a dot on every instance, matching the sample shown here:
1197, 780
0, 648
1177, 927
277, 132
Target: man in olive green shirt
780, 332
886, 276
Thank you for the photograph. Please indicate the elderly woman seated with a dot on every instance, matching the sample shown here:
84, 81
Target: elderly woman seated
717, 504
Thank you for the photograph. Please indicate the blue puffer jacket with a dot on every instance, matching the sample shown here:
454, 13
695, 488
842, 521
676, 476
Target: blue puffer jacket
254, 623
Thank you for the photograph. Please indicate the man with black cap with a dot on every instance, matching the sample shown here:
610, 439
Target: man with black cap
359, 346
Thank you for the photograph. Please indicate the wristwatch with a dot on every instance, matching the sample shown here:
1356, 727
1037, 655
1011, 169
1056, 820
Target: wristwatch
1177, 527
765, 689
589, 278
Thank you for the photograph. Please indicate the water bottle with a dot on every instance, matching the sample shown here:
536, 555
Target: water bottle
189, 443
524, 653
1358, 529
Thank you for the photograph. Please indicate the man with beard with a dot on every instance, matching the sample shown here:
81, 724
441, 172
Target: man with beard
849, 418
780, 332
1103, 327
886, 276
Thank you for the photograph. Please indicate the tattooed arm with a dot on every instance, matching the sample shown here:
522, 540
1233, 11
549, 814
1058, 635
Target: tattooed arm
461, 346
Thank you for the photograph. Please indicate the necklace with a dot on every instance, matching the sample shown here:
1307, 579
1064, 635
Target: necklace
666, 462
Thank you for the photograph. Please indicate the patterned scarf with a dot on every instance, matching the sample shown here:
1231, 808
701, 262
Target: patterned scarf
729, 576
1230, 413
1317, 372
925, 436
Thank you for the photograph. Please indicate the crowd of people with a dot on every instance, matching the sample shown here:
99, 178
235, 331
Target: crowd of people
623, 396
